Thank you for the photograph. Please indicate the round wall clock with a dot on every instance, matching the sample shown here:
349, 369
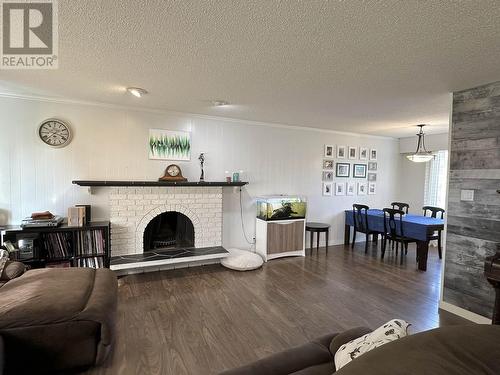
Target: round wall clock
54, 132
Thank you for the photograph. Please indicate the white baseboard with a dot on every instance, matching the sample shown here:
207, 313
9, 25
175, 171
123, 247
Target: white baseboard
466, 314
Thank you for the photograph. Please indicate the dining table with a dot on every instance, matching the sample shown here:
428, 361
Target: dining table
417, 227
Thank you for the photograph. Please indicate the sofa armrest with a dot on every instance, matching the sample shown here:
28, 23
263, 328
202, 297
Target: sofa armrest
346, 336
289, 361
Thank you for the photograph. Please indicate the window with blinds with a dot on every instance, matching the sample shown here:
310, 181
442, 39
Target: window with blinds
436, 174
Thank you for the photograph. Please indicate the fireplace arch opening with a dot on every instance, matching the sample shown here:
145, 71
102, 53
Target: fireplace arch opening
169, 230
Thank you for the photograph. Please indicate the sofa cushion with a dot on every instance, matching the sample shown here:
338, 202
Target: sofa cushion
11, 270
388, 332
59, 318
458, 350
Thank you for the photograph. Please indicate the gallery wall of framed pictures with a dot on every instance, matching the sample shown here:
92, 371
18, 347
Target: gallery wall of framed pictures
349, 170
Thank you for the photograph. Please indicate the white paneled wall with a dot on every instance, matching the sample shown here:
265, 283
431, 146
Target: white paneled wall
111, 143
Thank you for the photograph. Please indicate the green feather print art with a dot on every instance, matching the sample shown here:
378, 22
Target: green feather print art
169, 145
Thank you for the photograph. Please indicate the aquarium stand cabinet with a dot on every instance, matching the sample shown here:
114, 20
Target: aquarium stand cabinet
280, 238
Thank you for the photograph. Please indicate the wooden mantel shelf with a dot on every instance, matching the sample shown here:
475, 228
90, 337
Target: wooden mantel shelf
92, 183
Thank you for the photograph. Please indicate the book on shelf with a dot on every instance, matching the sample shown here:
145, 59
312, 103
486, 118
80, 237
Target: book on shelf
57, 245
90, 242
91, 262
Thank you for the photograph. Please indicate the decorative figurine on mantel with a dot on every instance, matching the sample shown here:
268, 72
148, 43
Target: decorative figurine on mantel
201, 158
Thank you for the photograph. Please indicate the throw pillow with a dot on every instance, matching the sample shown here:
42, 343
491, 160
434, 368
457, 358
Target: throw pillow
390, 331
11, 270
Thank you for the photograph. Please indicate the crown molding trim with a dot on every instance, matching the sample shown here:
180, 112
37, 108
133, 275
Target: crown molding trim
57, 100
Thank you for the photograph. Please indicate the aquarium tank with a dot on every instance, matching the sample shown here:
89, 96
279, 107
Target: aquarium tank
281, 207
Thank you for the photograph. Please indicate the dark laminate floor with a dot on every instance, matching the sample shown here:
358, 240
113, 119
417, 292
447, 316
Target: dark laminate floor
206, 319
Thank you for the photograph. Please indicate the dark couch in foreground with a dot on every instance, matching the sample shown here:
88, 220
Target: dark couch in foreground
57, 319
470, 349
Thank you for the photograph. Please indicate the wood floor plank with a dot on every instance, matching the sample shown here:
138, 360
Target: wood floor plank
206, 319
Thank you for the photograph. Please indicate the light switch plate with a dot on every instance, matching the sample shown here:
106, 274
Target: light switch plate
467, 195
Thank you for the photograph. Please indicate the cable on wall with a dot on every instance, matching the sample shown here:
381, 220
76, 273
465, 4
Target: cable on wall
243, 224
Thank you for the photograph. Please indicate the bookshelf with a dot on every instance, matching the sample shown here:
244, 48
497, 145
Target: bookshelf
62, 246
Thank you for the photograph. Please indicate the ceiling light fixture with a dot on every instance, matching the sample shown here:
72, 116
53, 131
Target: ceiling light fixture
421, 155
136, 91
219, 103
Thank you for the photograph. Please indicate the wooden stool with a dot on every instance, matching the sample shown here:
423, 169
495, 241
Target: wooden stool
318, 228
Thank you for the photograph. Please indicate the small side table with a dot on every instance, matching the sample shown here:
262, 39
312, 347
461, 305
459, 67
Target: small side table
318, 228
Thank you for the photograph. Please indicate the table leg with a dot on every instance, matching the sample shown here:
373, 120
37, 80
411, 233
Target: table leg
347, 234
422, 252
327, 233
312, 235
317, 241
375, 238
496, 309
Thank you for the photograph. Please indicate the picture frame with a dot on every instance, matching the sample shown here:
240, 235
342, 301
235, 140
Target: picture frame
372, 188
340, 188
351, 188
353, 153
372, 177
363, 153
327, 188
343, 170
373, 154
329, 151
341, 152
362, 188
327, 176
169, 145
372, 166
359, 170
327, 164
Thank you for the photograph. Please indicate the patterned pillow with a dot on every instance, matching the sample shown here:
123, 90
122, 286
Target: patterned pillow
390, 331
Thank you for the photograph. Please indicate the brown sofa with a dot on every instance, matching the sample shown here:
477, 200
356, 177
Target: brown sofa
465, 350
57, 319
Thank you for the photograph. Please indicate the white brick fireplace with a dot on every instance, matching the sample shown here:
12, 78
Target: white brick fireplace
132, 208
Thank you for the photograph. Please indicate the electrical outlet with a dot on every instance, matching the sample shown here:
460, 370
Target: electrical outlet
467, 195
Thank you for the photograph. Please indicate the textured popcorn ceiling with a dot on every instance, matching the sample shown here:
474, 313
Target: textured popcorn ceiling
374, 67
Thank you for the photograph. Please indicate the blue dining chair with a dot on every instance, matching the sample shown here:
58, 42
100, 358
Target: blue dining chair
436, 212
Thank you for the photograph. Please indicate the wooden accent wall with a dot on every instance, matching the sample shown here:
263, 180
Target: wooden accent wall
473, 227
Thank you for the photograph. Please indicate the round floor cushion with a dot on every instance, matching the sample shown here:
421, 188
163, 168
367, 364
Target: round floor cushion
242, 260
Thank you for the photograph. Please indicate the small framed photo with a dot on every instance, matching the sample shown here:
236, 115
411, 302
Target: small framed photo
353, 152
372, 166
373, 154
351, 188
343, 170
341, 152
372, 188
329, 150
327, 188
362, 188
372, 177
328, 176
359, 171
327, 164
363, 153
340, 188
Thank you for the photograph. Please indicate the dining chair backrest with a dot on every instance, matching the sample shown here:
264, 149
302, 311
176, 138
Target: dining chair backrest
401, 206
436, 212
391, 217
360, 216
